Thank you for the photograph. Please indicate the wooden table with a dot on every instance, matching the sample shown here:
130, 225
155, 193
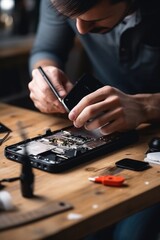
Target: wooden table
94, 205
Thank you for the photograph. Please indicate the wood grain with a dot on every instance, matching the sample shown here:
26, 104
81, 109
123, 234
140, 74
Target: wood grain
95, 205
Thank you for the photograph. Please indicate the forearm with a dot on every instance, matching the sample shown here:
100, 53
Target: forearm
150, 105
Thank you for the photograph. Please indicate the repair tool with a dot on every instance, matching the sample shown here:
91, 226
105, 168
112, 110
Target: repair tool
108, 180
27, 175
48, 81
5, 130
9, 179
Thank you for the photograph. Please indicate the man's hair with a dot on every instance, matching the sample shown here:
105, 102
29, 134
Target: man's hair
72, 8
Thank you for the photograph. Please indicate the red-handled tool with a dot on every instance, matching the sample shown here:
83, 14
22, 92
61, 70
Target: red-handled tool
108, 180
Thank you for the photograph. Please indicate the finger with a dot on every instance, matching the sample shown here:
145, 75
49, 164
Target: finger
115, 126
60, 81
88, 114
94, 116
38, 85
54, 75
100, 95
48, 107
83, 103
44, 99
103, 119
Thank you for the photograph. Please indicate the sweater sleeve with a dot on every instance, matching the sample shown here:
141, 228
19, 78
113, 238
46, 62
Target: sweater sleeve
54, 38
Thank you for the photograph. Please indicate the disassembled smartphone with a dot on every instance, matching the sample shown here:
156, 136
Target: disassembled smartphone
63, 149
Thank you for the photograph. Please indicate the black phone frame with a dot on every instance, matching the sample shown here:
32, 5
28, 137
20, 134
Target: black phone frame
120, 140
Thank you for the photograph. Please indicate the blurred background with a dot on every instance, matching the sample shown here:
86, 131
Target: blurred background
18, 23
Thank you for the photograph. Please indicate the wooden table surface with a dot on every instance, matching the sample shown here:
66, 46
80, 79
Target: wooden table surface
94, 205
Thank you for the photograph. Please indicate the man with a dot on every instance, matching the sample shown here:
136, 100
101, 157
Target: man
124, 59
122, 42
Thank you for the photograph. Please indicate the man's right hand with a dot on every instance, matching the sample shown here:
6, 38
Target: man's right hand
41, 94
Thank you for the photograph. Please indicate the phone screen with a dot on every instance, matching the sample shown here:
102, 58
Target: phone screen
132, 164
84, 86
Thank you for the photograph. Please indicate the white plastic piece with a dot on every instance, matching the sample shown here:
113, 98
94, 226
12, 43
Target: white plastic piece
153, 157
5, 201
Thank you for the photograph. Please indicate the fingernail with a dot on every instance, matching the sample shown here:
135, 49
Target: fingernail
72, 116
62, 93
76, 125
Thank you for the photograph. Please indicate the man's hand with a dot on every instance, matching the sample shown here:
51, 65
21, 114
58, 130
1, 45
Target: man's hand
109, 110
41, 94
